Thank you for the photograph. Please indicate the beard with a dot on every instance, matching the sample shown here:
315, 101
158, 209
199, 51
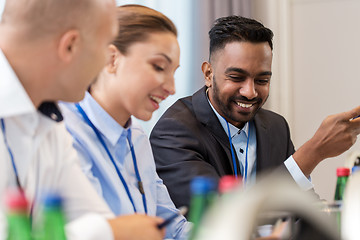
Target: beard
226, 107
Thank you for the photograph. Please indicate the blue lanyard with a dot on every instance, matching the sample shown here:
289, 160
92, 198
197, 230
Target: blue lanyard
15, 169
246, 156
140, 184
11, 155
233, 155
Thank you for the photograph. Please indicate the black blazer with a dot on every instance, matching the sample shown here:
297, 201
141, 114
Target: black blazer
189, 141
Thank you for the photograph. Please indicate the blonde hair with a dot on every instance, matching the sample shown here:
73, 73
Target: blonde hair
136, 22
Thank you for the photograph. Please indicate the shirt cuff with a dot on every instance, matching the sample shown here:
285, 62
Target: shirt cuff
90, 226
299, 177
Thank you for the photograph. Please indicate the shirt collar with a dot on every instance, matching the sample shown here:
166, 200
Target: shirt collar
13, 98
51, 110
233, 130
104, 123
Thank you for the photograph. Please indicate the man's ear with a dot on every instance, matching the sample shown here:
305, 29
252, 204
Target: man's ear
113, 59
208, 73
69, 45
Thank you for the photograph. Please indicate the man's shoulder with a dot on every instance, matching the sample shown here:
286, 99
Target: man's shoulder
182, 108
187, 106
181, 116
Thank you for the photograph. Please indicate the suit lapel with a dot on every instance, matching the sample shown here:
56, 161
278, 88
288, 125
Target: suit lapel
208, 118
263, 139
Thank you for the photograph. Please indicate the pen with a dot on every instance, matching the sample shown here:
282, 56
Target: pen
355, 117
182, 211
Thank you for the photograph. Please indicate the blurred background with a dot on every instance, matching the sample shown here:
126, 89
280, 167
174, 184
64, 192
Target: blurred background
316, 57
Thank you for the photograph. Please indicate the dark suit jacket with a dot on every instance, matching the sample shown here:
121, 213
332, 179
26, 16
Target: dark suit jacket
189, 141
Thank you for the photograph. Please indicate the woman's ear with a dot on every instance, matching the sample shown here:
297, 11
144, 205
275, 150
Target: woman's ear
114, 55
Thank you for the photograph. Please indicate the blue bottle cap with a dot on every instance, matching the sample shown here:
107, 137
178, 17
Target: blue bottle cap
355, 169
202, 185
52, 200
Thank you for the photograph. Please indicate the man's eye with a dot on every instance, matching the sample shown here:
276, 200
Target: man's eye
236, 78
263, 81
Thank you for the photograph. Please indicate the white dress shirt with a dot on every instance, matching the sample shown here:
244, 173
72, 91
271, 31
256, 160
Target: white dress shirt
3, 177
45, 160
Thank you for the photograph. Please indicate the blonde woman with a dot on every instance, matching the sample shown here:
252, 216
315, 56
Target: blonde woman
115, 152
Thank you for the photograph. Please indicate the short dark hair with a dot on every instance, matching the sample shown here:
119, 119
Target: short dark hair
237, 28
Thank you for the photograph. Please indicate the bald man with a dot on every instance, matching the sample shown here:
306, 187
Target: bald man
52, 50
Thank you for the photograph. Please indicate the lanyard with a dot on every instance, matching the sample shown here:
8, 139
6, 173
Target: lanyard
246, 156
14, 167
11, 155
233, 155
140, 184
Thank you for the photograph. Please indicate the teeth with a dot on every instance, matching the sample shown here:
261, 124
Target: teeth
244, 105
156, 99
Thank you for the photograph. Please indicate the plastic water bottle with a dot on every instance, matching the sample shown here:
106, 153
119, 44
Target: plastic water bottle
52, 226
228, 184
19, 227
342, 177
203, 193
